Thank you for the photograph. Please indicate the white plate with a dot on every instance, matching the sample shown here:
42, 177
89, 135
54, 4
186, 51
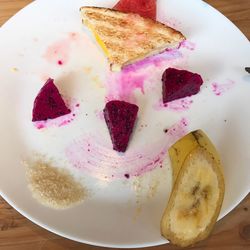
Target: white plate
119, 212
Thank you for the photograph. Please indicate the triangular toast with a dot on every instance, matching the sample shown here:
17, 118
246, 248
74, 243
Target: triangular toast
126, 37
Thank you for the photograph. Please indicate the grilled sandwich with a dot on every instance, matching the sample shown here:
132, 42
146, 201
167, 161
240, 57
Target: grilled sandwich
126, 37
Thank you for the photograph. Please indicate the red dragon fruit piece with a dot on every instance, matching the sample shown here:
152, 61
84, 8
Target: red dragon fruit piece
49, 103
120, 118
178, 84
145, 8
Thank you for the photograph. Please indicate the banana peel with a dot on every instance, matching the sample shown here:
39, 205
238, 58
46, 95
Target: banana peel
198, 191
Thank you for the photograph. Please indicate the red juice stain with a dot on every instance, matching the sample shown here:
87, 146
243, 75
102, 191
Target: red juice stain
106, 162
178, 105
40, 126
60, 62
221, 88
215, 89
59, 52
188, 45
122, 85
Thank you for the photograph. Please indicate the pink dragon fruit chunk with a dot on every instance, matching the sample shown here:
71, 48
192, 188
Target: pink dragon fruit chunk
178, 84
48, 103
120, 118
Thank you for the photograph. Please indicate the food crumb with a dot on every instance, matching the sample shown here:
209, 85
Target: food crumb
53, 187
96, 80
14, 69
127, 176
87, 70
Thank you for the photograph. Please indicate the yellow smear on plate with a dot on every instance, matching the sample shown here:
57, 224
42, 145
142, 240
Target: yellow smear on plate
54, 187
96, 80
87, 70
14, 69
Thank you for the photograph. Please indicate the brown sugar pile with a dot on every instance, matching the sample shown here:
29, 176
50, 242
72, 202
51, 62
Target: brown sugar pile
54, 187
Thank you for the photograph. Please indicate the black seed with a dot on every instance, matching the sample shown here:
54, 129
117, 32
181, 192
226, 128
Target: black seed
195, 189
247, 69
127, 176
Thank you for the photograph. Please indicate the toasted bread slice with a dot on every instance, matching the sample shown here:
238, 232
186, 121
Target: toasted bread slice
126, 37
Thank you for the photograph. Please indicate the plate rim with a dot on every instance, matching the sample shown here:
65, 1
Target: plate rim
99, 244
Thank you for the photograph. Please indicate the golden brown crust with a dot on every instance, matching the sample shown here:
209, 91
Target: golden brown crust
129, 37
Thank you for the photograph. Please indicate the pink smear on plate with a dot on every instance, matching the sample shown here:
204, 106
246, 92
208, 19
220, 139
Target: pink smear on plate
62, 120
122, 85
91, 155
165, 58
172, 22
179, 105
58, 53
99, 114
221, 88
188, 45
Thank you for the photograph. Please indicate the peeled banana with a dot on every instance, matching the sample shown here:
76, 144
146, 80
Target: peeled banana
198, 191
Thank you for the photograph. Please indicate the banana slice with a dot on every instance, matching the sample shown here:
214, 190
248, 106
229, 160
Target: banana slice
179, 151
195, 202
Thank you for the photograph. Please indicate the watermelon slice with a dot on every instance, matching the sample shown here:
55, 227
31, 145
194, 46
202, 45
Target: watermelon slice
49, 103
145, 8
178, 84
120, 118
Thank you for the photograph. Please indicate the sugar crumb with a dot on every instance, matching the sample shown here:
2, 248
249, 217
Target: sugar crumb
53, 187
87, 70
